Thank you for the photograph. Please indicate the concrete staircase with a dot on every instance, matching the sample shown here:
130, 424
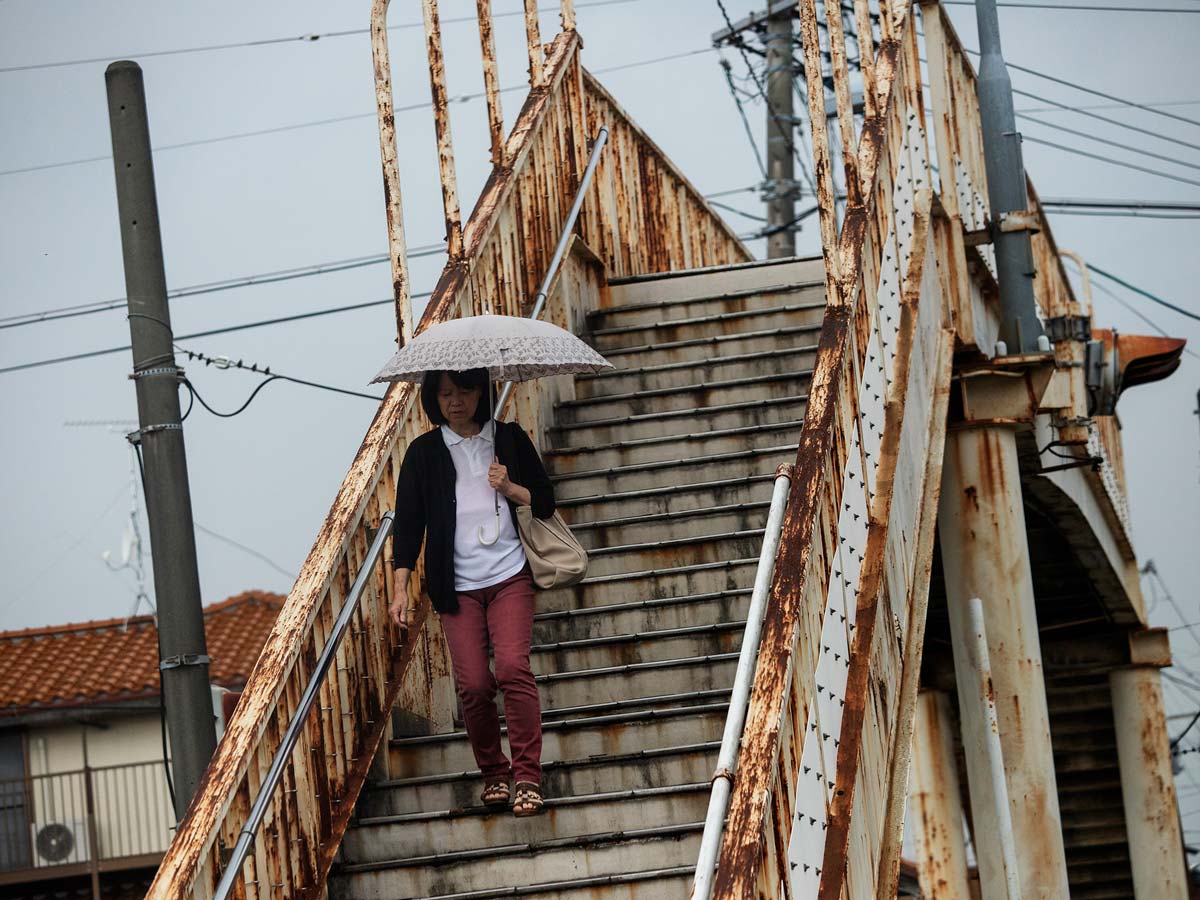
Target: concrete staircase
664, 469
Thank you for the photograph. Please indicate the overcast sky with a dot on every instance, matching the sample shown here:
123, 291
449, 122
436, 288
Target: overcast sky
302, 196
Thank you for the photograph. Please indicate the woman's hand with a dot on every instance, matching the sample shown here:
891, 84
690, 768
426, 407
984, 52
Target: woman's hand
498, 479
398, 608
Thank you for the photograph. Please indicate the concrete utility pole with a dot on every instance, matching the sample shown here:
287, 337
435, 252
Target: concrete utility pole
781, 163
780, 189
183, 653
1019, 325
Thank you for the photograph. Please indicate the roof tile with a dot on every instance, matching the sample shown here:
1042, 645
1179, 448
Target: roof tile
115, 660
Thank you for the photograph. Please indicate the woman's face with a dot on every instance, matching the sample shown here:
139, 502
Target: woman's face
457, 404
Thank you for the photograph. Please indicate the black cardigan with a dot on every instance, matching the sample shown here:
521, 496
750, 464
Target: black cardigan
425, 502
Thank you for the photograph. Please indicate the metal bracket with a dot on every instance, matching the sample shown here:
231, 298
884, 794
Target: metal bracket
723, 772
184, 659
1068, 328
175, 371
1017, 220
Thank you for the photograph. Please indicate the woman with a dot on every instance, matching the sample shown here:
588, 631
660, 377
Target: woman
446, 494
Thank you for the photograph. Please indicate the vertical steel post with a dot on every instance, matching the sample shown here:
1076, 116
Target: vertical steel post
184, 655
935, 802
397, 245
491, 80
1148, 785
985, 554
781, 165
567, 14
533, 38
441, 121
1019, 324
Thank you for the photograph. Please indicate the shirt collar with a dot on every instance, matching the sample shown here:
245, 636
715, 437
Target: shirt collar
453, 438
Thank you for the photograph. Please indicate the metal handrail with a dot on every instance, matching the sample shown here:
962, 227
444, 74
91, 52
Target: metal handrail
296, 725
735, 719
564, 237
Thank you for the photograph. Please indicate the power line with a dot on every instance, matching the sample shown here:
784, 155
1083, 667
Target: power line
342, 265
728, 70
1091, 137
1041, 109
212, 331
1110, 160
1161, 302
290, 39
1072, 7
224, 363
461, 98
228, 540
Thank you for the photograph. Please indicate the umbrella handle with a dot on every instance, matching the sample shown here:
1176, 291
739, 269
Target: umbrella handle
480, 534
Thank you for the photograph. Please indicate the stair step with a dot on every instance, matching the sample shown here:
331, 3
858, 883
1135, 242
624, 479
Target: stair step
715, 345
703, 441
650, 768
687, 397
665, 525
676, 499
615, 853
681, 285
699, 639
632, 681
665, 423
651, 885
789, 313
742, 299
597, 729
641, 615
663, 581
680, 471
704, 548
428, 833
671, 375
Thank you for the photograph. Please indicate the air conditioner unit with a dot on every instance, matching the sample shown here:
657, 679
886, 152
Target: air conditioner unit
59, 843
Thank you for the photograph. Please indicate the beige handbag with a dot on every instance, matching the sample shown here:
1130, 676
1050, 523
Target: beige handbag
555, 557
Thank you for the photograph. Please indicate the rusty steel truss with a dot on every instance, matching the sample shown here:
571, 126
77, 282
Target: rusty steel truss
907, 288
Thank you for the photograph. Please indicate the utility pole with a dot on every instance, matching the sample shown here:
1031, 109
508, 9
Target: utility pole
1019, 325
780, 189
183, 654
781, 194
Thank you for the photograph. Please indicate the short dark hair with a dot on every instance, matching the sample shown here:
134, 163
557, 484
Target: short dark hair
471, 378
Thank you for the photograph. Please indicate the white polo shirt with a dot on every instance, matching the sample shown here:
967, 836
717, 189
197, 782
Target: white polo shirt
477, 565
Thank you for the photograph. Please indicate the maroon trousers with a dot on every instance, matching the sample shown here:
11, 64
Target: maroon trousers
503, 613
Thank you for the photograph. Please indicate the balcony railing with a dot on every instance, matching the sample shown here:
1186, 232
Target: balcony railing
90, 819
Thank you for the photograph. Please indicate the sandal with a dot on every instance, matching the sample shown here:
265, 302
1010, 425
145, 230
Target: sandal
529, 801
495, 793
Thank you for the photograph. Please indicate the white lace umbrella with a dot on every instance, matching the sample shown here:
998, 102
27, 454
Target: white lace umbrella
510, 348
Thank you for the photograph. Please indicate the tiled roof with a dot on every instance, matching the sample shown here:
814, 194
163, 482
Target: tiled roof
116, 660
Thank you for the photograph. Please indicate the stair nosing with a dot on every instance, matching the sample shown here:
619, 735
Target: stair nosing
685, 388
585, 721
714, 339
678, 662
655, 491
629, 606
575, 762
714, 317
694, 363
532, 847
671, 463
690, 567
783, 287
676, 542
746, 265
643, 518
669, 438
551, 803
660, 634
590, 881
699, 411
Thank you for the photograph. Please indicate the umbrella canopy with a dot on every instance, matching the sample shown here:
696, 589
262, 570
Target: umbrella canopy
510, 348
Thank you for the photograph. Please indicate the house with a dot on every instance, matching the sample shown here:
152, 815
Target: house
85, 808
